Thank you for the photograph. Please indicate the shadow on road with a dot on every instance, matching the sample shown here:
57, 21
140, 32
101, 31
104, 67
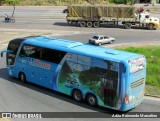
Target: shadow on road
4, 75
63, 24
101, 26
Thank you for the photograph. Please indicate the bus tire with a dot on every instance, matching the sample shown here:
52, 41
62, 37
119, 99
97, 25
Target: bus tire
82, 24
77, 95
127, 25
89, 24
150, 26
96, 24
22, 77
91, 99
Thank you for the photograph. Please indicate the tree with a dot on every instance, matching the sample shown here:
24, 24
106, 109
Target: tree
1, 2
11, 2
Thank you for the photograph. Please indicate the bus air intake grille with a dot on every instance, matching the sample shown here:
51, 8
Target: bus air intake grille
137, 83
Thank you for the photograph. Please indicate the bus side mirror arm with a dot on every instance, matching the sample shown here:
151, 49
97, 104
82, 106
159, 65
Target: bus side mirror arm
7, 51
1, 54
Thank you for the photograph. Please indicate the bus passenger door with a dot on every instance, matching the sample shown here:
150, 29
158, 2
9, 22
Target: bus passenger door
21, 64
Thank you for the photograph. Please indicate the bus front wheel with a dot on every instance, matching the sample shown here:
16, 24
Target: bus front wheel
91, 100
77, 95
22, 77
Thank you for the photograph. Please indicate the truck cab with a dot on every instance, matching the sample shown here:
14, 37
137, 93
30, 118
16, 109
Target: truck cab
147, 21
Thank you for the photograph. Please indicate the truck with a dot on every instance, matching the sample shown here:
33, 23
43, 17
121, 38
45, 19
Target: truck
96, 15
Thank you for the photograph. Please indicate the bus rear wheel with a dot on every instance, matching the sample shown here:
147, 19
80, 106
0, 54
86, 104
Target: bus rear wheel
77, 95
91, 100
22, 77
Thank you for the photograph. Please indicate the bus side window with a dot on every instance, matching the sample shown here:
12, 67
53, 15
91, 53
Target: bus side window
27, 51
45, 54
54, 56
36, 52
49, 55
22, 52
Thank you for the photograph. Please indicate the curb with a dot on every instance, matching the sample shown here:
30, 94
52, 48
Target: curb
154, 96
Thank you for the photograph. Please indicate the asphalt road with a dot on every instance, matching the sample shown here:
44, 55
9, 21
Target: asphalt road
18, 97
33, 12
52, 19
133, 36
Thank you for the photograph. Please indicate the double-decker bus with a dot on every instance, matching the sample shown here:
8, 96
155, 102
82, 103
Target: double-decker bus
97, 75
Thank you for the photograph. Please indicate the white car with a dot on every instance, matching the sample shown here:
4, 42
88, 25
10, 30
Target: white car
101, 39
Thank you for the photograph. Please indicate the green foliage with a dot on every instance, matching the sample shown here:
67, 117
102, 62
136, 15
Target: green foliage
119, 1
153, 63
1, 2
11, 2
61, 2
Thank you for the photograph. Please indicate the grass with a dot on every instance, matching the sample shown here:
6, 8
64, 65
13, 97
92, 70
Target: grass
152, 55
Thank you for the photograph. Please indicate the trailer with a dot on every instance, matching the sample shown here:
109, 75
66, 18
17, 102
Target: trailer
96, 15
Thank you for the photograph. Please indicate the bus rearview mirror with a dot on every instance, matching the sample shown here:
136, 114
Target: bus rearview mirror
7, 51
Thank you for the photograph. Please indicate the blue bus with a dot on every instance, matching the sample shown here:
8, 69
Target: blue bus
97, 75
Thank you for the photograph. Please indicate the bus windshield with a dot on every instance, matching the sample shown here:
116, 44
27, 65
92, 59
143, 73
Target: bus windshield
13, 47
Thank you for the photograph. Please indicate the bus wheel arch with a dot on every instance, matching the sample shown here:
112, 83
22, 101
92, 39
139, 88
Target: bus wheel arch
77, 95
91, 99
22, 77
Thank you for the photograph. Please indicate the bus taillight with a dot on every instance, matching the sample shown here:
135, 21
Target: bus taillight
126, 99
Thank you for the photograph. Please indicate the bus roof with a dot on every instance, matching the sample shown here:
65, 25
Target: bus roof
80, 48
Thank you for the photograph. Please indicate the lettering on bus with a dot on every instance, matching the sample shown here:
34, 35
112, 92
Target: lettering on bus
38, 63
137, 64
